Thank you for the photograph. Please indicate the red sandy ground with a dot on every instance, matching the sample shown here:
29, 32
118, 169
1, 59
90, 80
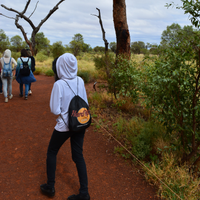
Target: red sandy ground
25, 131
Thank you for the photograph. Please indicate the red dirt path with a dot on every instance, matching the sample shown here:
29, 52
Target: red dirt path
25, 131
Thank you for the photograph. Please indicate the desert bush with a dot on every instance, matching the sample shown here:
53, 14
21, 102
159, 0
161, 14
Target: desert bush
49, 72
121, 74
178, 178
85, 75
139, 135
87, 68
104, 65
125, 79
41, 57
37, 71
16, 55
57, 49
171, 86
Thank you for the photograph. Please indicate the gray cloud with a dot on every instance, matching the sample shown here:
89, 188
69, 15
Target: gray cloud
146, 19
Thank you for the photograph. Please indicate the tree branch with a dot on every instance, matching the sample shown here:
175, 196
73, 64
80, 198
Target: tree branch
34, 10
22, 30
35, 29
21, 14
26, 7
103, 31
7, 16
49, 14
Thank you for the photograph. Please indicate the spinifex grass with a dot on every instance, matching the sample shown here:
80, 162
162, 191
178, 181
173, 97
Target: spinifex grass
177, 178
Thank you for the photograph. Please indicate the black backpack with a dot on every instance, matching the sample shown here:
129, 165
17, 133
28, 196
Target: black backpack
79, 114
24, 69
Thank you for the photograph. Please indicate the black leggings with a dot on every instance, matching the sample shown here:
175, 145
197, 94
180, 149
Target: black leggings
57, 140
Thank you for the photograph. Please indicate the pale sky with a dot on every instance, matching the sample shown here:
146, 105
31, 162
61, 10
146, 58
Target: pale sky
147, 19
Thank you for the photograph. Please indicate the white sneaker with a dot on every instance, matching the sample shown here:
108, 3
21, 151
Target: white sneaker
6, 100
29, 92
11, 96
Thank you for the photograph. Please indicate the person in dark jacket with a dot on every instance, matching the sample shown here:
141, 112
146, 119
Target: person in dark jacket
24, 80
32, 67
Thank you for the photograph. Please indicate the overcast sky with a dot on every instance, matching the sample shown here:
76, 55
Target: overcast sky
147, 19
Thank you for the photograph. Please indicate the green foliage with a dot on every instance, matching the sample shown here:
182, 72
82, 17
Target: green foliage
137, 47
99, 49
17, 43
15, 55
49, 72
124, 78
170, 35
41, 43
4, 41
171, 86
139, 135
57, 49
41, 57
104, 65
122, 75
175, 34
192, 8
113, 46
85, 75
37, 71
77, 45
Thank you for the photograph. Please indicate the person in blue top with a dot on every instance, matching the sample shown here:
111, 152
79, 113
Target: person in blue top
21, 79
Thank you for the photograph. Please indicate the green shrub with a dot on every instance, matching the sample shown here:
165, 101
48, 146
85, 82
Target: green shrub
85, 75
138, 135
41, 57
104, 65
49, 72
16, 55
57, 49
37, 71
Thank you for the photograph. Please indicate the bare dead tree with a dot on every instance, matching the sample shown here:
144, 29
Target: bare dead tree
121, 28
103, 31
22, 15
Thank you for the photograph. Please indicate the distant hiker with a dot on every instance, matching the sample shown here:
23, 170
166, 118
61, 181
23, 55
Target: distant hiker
61, 95
8, 64
32, 67
24, 75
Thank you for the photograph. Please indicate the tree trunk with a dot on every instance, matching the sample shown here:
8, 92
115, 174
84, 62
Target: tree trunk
121, 28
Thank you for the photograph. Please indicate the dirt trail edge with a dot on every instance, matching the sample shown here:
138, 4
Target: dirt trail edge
25, 130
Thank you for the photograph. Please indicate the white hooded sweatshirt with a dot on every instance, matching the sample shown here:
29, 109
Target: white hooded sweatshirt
61, 94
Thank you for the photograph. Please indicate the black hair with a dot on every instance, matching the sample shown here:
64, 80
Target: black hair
54, 69
24, 53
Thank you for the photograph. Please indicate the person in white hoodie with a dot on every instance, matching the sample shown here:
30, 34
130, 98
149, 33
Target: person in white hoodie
7, 81
61, 95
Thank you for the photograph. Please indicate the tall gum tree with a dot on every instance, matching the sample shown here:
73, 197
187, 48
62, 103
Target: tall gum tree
121, 28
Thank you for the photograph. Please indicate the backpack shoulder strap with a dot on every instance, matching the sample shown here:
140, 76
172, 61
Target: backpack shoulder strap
21, 60
8, 62
69, 87
77, 85
24, 62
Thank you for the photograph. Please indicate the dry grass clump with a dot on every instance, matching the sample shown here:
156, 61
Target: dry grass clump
178, 178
